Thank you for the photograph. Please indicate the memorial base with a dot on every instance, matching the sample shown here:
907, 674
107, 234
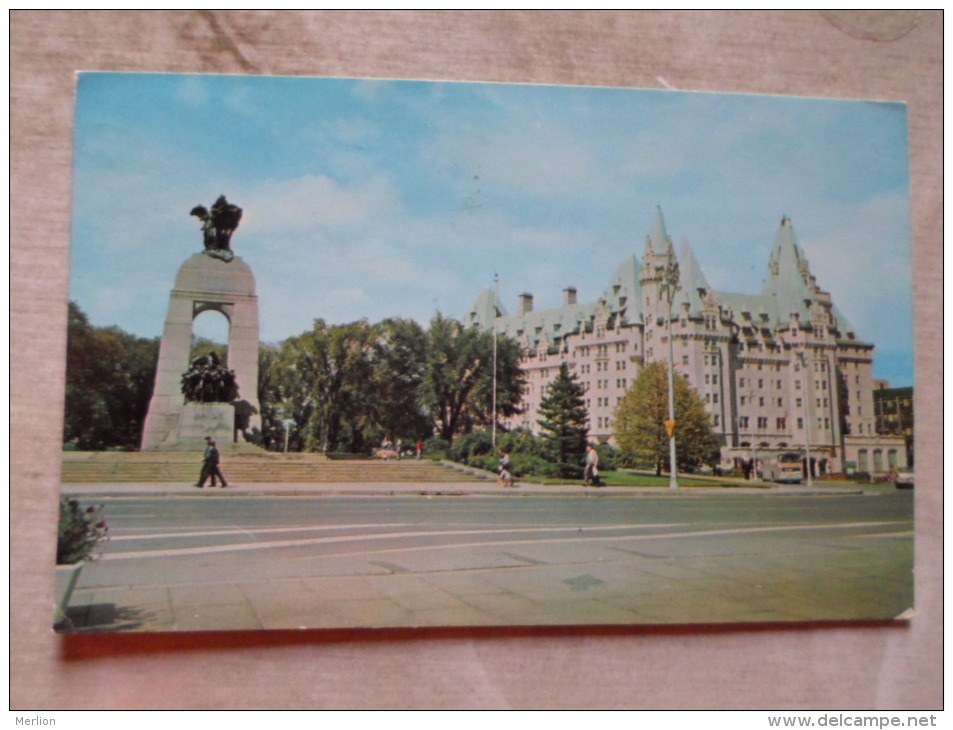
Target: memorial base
199, 420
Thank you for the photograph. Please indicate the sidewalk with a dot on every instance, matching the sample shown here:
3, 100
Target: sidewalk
487, 488
662, 572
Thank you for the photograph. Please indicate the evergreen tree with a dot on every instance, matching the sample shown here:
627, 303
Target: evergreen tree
564, 423
640, 431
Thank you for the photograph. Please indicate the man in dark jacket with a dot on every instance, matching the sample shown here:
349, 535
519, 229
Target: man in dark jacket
210, 468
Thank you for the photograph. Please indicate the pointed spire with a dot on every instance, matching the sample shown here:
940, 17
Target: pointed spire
625, 289
789, 277
659, 238
693, 286
485, 309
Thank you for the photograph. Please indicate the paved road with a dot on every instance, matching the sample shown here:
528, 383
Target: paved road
225, 562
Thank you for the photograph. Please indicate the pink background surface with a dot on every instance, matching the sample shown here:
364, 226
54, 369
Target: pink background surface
886, 55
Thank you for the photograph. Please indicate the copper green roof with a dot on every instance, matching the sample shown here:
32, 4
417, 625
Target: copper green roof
788, 289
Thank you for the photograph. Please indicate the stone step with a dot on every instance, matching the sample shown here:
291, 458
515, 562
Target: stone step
109, 467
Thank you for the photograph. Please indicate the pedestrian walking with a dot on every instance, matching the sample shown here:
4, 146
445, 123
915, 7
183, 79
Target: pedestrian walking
420, 449
591, 472
506, 471
210, 468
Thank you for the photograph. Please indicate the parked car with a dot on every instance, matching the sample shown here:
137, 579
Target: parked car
904, 478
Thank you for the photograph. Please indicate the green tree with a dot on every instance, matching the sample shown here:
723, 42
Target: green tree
322, 381
109, 379
458, 377
564, 423
270, 397
397, 380
640, 431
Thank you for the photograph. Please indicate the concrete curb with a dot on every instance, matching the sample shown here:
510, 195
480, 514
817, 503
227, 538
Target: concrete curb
383, 489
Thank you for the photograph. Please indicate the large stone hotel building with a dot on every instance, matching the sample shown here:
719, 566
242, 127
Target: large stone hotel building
777, 371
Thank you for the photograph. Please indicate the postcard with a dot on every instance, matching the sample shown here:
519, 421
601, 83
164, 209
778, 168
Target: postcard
359, 353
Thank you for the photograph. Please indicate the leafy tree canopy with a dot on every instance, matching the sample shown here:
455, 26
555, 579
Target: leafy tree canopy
109, 379
457, 389
640, 431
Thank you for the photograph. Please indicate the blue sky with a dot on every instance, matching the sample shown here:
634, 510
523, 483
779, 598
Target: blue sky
371, 199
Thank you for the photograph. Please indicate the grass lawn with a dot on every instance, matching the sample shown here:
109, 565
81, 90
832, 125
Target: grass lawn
632, 479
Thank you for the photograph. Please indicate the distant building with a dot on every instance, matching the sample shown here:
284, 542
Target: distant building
893, 411
776, 370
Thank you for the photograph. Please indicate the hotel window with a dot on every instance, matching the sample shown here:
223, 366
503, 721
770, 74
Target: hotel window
743, 422
762, 422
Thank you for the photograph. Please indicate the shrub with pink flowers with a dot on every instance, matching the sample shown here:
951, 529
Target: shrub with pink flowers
81, 530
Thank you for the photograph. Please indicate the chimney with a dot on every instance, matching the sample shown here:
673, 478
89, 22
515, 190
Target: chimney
569, 295
526, 303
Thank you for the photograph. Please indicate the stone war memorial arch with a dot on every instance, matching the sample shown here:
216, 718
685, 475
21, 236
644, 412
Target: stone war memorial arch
204, 397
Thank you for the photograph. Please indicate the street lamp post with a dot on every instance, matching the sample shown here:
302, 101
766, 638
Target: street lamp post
671, 279
288, 423
754, 449
496, 283
807, 424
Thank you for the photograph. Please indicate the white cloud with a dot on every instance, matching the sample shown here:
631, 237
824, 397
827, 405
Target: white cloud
412, 202
279, 207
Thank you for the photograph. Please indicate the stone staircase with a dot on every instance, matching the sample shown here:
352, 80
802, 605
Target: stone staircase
244, 468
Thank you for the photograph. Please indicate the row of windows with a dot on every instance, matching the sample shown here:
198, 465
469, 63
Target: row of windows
603, 366
780, 424
604, 402
862, 462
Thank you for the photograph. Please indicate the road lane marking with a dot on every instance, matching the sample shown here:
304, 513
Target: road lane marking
250, 531
204, 550
354, 538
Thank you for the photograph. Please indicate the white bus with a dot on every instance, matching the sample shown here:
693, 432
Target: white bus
785, 467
